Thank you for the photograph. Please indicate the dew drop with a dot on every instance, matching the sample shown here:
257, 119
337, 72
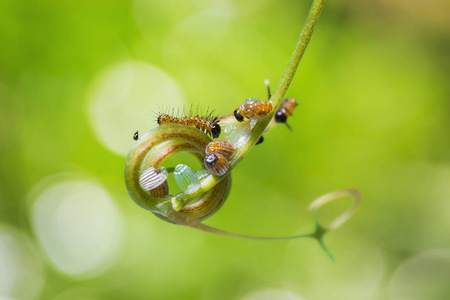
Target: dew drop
236, 135
186, 179
201, 173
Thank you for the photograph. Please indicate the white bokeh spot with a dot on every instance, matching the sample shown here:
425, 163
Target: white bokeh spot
20, 266
424, 276
126, 97
78, 226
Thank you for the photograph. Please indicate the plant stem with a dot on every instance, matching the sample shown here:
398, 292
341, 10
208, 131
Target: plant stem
277, 97
286, 79
210, 181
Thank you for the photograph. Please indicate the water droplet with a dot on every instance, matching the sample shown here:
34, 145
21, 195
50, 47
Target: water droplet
236, 135
201, 173
186, 179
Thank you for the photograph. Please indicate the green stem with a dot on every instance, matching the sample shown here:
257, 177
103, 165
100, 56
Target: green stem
277, 96
286, 79
156, 145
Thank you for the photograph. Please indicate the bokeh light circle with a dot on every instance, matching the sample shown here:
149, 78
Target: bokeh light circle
20, 266
78, 226
424, 276
126, 97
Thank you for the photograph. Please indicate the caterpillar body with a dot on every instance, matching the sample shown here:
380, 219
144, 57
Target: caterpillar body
209, 125
285, 111
253, 109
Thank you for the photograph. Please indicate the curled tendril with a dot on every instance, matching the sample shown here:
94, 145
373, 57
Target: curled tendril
151, 150
319, 202
155, 146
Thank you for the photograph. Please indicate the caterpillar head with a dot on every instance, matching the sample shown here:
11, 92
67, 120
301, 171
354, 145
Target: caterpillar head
215, 130
238, 116
280, 116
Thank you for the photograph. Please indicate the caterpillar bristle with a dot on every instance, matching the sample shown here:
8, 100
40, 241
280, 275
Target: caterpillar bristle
207, 123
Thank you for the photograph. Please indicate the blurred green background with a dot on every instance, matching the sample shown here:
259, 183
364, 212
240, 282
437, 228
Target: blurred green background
78, 78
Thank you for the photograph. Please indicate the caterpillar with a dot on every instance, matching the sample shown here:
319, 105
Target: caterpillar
285, 111
252, 109
216, 163
208, 124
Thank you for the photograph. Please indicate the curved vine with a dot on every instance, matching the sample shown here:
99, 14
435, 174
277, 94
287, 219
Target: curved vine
189, 209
